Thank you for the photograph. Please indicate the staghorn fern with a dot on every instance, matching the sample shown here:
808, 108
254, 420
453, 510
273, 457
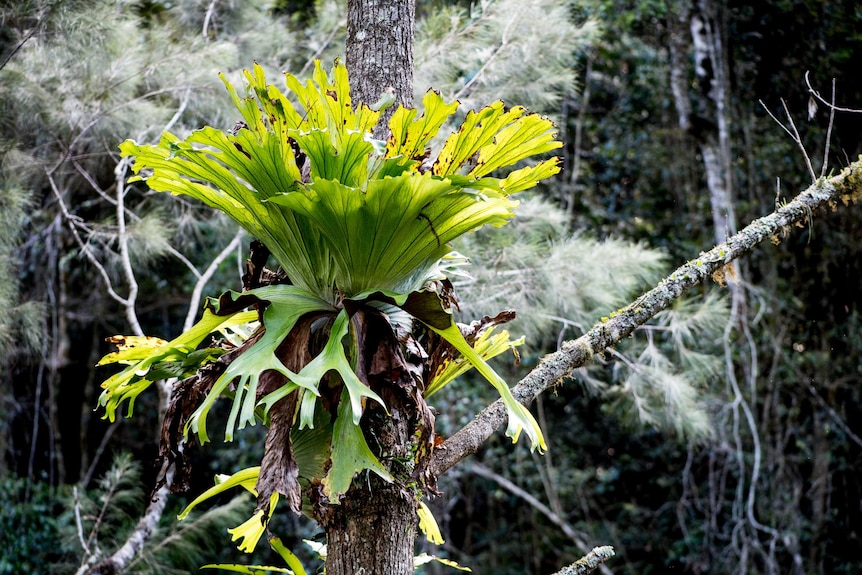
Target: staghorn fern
361, 229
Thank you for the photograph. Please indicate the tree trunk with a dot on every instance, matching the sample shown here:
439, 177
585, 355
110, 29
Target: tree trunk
373, 528
711, 70
380, 52
371, 532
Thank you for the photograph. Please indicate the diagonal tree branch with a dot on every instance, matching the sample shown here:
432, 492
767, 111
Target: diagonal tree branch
846, 187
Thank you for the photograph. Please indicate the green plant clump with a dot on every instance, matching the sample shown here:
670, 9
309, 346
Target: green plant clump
361, 229
26, 526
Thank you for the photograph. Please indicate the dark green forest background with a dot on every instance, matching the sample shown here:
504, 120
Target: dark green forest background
725, 437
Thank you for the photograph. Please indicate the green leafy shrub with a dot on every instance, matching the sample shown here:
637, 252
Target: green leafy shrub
28, 526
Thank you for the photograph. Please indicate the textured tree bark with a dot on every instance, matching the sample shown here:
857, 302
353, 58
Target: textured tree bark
371, 532
379, 52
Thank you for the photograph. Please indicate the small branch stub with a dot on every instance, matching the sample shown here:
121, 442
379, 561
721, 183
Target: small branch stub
589, 563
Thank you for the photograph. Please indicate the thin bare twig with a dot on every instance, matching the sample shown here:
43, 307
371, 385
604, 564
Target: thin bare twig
73, 222
93, 538
37, 402
832, 105
504, 42
93, 184
338, 26
19, 46
130, 214
828, 134
740, 402
32, 32
794, 135
90, 555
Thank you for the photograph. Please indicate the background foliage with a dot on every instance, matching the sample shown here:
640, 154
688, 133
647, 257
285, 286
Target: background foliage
78, 77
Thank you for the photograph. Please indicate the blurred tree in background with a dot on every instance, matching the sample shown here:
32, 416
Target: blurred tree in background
749, 458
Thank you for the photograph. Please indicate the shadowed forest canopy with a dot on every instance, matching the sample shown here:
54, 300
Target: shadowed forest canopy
723, 436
